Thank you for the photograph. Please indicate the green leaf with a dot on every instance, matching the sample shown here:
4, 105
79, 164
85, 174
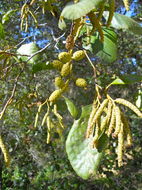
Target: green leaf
28, 49
41, 66
86, 110
2, 35
61, 24
117, 81
123, 22
71, 107
74, 11
84, 159
107, 51
131, 78
6, 16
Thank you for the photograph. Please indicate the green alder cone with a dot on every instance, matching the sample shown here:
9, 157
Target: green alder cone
64, 57
55, 95
65, 71
80, 82
57, 64
84, 159
59, 82
78, 55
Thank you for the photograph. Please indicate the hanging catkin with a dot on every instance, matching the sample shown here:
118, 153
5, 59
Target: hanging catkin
129, 105
5, 152
120, 146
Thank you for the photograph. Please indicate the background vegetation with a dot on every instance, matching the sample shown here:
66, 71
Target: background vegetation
34, 163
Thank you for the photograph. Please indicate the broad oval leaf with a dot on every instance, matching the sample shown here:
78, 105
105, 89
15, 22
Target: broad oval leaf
71, 107
84, 159
123, 22
74, 11
107, 51
27, 50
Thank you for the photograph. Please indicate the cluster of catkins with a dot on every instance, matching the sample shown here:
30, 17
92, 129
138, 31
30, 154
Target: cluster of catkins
106, 117
64, 65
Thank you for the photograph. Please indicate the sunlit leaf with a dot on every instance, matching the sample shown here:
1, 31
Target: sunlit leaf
123, 22
84, 159
27, 50
74, 11
117, 81
107, 51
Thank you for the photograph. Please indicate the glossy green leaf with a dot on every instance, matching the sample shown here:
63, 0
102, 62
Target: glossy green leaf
123, 22
74, 11
84, 159
71, 107
107, 51
27, 50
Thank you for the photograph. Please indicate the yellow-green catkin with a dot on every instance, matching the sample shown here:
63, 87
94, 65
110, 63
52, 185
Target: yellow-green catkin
97, 115
129, 105
81, 82
112, 122
5, 152
118, 121
104, 123
37, 115
96, 136
59, 82
111, 12
48, 121
44, 119
66, 69
94, 109
57, 64
55, 95
64, 57
120, 146
78, 55
127, 130
126, 4
109, 111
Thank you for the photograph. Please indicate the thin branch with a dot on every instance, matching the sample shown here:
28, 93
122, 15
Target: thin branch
16, 82
11, 97
94, 68
41, 50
